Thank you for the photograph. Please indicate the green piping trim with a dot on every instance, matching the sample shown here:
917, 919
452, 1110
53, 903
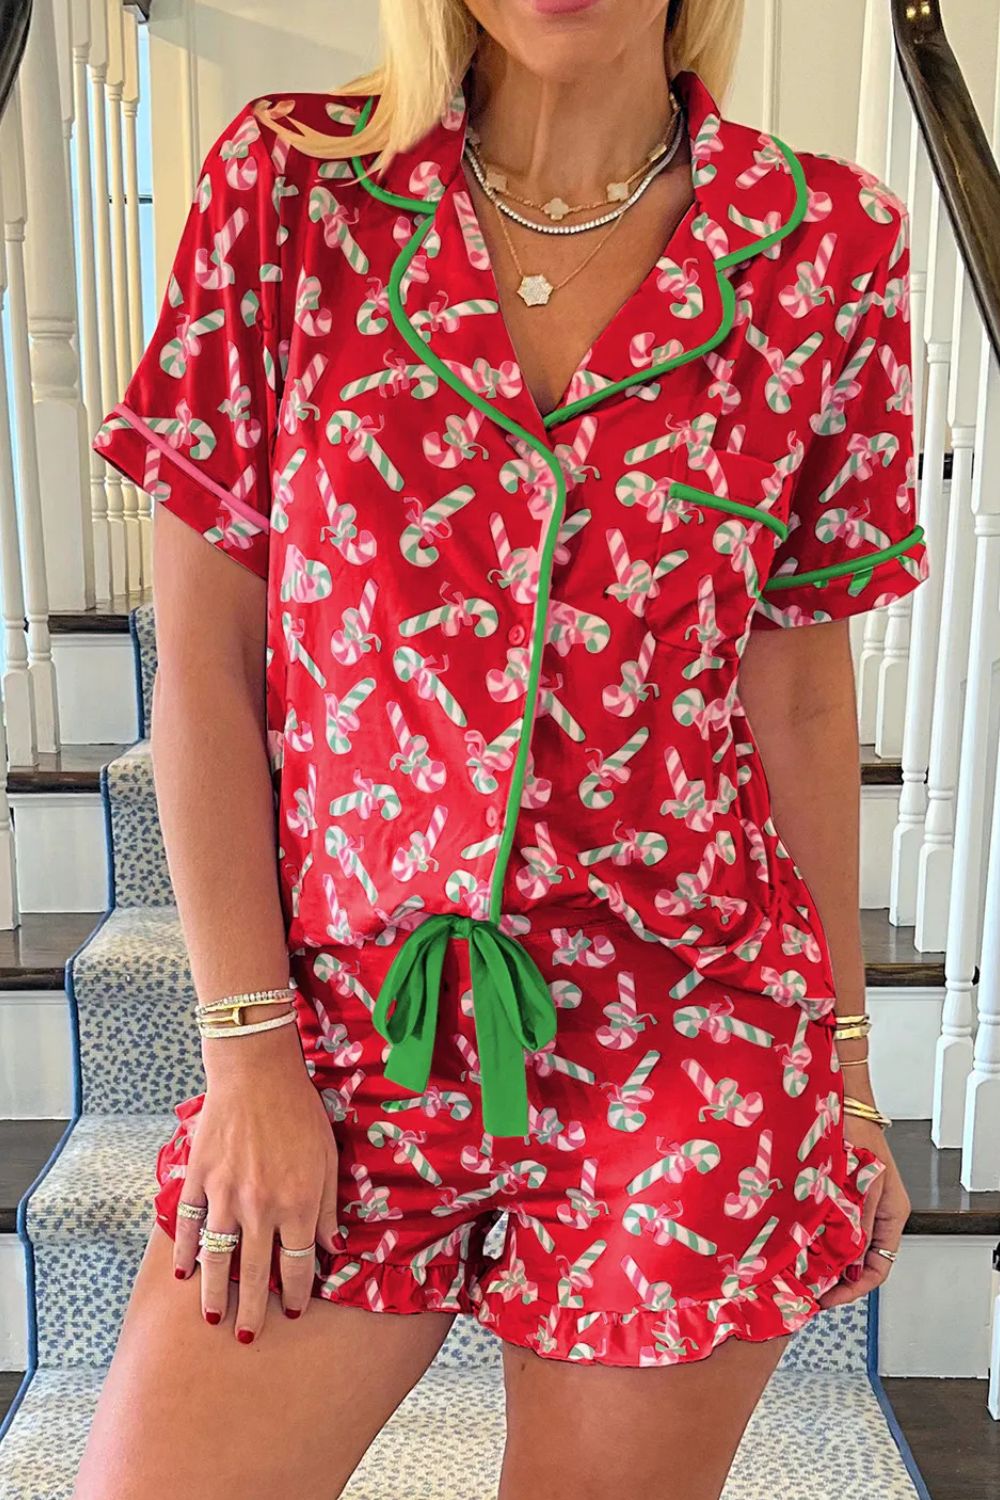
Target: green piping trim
720, 502
856, 565
727, 294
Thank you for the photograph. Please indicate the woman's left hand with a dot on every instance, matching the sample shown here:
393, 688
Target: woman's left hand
884, 1215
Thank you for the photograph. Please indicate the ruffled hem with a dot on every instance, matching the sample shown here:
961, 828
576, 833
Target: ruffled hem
684, 1329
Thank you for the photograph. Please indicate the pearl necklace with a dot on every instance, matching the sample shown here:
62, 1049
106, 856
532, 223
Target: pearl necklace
535, 289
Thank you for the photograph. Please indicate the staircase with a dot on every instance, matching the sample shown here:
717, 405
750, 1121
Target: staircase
824, 1429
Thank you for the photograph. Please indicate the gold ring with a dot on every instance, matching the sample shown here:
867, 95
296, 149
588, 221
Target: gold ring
309, 1250
881, 1250
191, 1210
218, 1240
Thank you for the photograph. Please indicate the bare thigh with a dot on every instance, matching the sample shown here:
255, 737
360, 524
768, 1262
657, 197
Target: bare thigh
592, 1432
188, 1410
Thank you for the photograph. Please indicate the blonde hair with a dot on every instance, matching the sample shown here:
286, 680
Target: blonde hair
426, 47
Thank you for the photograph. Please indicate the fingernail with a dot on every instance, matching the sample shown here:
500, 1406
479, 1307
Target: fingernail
181, 1275
293, 1312
213, 1317
245, 1335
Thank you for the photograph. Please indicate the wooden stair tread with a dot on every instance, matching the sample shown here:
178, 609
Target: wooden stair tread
110, 617
25, 1147
33, 956
74, 768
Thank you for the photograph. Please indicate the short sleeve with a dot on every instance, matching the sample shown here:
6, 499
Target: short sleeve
854, 542
195, 423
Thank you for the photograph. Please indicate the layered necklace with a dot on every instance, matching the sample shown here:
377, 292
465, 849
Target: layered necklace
535, 288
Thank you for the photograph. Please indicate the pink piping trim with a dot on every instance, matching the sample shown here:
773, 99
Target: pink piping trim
192, 471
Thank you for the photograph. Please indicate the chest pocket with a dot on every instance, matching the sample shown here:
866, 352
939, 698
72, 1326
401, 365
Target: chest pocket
695, 544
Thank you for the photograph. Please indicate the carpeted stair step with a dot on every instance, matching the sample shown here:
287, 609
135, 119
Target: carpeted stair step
816, 1435
138, 858
134, 998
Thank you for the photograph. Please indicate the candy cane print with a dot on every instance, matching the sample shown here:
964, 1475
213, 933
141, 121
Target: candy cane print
335, 220
796, 1057
528, 1221
449, 1300
637, 488
691, 709
468, 892
454, 1244
635, 584
372, 1203
246, 425
547, 1129
542, 868
453, 617
457, 444
838, 524
412, 758
336, 1042
357, 434
641, 1218
549, 706
862, 463
416, 541
416, 857
296, 407
901, 381
296, 885
471, 1073
596, 789
827, 1116
568, 627
345, 850
303, 580
582, 1206
592, 951
657, 1296
755, 1183
732, 539
343, 977
423, 672
337, 1102
724, 1101
809, 291
577, 1275
623, 698
212, 270
406, 1148
433, 1101
483, 759
625, 1024
751, 1264
717, 1022
513, 1283
518, 569
786, 989
341, 715
370, 798
478, 1158
676, 1159
356, 547
531, 477
293, 631
695, 435
546, 1062
631, 847
301, 818
624, 1099
453, 1202
341, 1276
611, 893
351, 643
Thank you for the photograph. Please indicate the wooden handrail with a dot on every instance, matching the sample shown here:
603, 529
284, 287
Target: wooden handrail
959, 149
15, 17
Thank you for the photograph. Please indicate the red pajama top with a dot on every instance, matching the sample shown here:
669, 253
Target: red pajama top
504, 647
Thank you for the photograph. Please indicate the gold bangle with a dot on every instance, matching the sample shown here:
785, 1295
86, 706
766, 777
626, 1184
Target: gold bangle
234, 1007
246, 1029
843, 1033
852, 1062
865, 1111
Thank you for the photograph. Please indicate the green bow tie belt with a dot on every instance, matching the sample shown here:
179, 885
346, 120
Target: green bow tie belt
511, 1001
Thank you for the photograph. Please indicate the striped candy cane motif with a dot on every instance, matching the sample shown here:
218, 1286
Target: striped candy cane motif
451, 618
341, 531
755, 1183
827, 1116
355, 639
591, 950
625, 1023
643, 1218
297, 407
545, 1126
597, 790
342, 719
303, 579
724, 1101
417, 856
412, 758
624, 697
456, 444
301, 816
293, 631
581, 1205
717, 1020
518, 566
675, 1161
337, 1102
751, 1265
357, 434
655, 1296
577, 1276
624, 1100
796, 1058
864, 456
451, 1246
430, 525
346, 851
542, 869
483, 760
569, 627
405, 1146
513, 1283
372, 1203
370, 798
810, 288
424, 673
630, 847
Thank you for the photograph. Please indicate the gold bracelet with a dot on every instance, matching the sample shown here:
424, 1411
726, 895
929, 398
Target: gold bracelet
853, 1062
865, 1111
235, 1004
851, 1027
246, 1029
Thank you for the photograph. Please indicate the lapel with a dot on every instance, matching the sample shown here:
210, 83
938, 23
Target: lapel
749, 193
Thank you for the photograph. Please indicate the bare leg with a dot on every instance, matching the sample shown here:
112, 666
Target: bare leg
188, 1410
592, 1432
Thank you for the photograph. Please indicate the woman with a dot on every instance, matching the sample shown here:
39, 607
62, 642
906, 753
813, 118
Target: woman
517, 513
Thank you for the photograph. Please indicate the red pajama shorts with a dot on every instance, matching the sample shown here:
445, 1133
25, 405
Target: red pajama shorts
685, 1177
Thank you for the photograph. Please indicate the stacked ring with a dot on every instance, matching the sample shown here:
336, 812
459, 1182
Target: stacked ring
191, 1210
218, 1240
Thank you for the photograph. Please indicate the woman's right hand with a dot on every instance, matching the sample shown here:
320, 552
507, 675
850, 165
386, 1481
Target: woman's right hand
263, 1159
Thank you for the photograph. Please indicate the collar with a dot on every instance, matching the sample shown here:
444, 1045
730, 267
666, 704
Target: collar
749, 192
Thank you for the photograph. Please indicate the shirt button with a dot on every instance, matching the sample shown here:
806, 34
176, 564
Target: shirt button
492, 817
516, 635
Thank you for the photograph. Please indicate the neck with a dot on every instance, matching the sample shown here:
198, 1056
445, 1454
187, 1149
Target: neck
571, 136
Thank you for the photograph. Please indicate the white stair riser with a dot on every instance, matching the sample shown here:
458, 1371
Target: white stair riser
36, 1060
935, 1308
879, 812
13, 1305
97, 689
906, 1024
62, 862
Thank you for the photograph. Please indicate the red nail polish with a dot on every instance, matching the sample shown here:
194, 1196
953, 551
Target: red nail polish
245, 1335
293, 1312
181, 1275
213, 1317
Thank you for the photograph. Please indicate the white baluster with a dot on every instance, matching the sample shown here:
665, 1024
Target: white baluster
41, 730
130, 106
981, 1131
953, 1060
906, 690
114, 83
934, 870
